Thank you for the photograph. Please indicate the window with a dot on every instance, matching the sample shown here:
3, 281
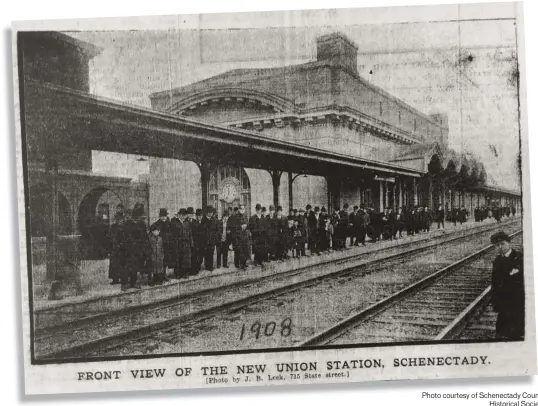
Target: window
415, 125
399, 117
380, 108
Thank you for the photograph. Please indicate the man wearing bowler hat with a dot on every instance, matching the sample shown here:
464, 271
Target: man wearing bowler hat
507, 289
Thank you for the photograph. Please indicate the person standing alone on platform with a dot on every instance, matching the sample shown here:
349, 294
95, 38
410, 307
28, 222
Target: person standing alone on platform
507, 290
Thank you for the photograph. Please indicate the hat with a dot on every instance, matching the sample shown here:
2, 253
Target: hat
279, 208
163, 212
225, 213
355, 207
182, 211
258, 207
236, 209
301, 210
295, 210
323, 209
209, 209
500, 236
154, 227
316, 209
271, 208
308, 207
199, 212
346, 205
118, 216
190, 210
264, 209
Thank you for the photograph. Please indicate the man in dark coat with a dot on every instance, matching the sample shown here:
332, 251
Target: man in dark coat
243, 241
313, 236
265, 245
141, 244
163, 225
210, 226
198, 236
235, 225
255, 228
281, 230
116, 236
181, 233
353, 226
440, 217
225, 240
271, 233
343, 226
507, 289
359, 224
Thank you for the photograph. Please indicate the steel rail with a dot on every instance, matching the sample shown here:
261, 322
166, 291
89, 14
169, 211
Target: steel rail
360, 270
377, 308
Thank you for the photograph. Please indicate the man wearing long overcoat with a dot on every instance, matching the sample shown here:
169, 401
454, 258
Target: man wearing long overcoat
163, 224
255, 228
183, 242
116, 262
507, 289
198, 236
210, 227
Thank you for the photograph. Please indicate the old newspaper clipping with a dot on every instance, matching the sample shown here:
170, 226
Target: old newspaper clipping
278, 198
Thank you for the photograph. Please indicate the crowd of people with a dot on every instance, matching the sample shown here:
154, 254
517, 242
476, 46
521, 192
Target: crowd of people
188, 241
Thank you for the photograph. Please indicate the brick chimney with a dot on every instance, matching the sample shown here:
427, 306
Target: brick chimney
338, 49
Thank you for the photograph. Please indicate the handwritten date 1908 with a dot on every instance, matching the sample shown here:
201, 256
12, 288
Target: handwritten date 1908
257, 329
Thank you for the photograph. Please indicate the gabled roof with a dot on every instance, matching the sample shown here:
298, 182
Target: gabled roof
419, 151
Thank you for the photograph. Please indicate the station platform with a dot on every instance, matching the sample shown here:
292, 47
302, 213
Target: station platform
94, 294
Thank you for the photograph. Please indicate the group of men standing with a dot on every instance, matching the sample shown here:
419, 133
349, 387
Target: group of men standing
188, 240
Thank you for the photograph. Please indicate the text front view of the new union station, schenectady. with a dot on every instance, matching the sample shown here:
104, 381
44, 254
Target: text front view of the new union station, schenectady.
312, 133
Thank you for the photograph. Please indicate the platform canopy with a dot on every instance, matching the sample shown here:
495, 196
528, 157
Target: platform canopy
59, 120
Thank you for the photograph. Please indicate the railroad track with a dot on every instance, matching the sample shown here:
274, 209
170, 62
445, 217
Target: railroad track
438, 307
293, 281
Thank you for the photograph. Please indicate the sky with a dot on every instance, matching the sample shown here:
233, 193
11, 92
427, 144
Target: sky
464, 69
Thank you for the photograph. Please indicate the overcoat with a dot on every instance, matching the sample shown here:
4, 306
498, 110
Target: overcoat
164, 233
243, 241
183, 241
508, 295
116, 235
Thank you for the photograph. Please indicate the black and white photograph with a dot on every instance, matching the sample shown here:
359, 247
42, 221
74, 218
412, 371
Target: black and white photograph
274, 198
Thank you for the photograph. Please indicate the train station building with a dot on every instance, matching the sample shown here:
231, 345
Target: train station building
322, 104
314, 133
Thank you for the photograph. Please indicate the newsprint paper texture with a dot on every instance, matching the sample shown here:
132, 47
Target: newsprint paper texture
276, 198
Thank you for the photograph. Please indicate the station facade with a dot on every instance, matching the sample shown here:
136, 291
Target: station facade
323, 104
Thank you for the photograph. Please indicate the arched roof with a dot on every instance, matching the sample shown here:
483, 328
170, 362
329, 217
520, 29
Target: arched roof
279, 103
